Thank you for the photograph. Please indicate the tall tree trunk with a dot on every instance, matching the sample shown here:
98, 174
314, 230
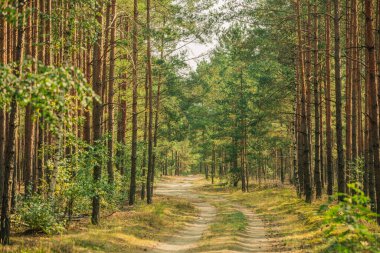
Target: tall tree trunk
132, 188
29, 122
39, 179
110, 94
121, 128
122, 118
146, 109
297, 123
97, 110
321, 134
3, 60
2, 146
308, 82
28, 149
317, 171
296, 134
150, 105
338, 98
374, 120
304, 126
241, 137
11, 135
48, 18
105, 78
370, 163
87, 116
156, 124
355, 84
367, 147
348, 92
41, 41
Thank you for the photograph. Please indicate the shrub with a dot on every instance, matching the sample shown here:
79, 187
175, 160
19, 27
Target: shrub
39, 215
347, 223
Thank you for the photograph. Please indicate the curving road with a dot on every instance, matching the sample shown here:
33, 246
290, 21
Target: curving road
253, 239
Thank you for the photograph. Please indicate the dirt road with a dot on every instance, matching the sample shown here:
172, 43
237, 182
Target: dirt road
191, 239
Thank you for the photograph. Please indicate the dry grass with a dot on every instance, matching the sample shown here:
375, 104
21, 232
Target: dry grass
296, 225
130, 230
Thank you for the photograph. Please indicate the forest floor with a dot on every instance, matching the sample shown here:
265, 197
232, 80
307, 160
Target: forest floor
133, 229
187, 216
191, 215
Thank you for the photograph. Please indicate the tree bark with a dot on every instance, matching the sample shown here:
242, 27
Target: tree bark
374, 120
317, 132
28, 149
329, 140
338, 103
150, 105
132, 188
305, 143
110, 94
3, 60
156, 125
146, 112
348, 94
11, 135
97, 111
355, 84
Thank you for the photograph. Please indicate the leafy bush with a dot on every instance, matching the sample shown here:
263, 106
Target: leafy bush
347, 223
39, 215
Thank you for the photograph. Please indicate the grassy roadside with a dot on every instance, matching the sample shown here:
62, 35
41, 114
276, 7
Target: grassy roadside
131, 230
298, 226
290, 219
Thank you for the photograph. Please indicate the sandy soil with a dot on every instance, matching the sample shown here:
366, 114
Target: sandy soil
253, 239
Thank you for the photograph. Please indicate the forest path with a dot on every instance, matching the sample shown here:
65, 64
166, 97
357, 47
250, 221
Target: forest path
199, 236
187, 239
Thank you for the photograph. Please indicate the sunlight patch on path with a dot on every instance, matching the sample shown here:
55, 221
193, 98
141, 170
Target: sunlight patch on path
188, 238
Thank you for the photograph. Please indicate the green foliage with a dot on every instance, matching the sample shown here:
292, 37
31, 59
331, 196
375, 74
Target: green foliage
75, 179
51, 91
39, 215
347, 223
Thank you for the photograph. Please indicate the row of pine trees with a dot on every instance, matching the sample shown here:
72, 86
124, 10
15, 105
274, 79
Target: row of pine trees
337, 103
105, 102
